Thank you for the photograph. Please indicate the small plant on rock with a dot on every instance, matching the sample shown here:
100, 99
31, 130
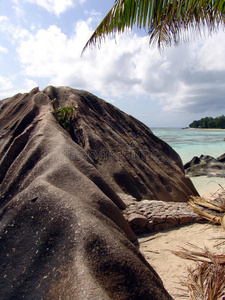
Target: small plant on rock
64, 115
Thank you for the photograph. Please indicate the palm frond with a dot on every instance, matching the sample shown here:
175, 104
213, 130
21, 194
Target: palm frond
206, 280
210, 210
201, 256
167, 21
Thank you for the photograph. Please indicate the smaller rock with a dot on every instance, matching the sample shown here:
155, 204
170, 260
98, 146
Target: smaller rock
221, 158
150, 225
184, 219
145, 201
194, 161
158, 220
159, 227
139, 220
206, 165
171, 220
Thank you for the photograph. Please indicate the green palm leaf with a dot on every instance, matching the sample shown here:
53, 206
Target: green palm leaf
167, 21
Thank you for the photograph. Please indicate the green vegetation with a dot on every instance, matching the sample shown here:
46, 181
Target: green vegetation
64, 115
167, 22
209, 122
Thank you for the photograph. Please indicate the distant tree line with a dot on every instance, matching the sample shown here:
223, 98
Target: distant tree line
209, 122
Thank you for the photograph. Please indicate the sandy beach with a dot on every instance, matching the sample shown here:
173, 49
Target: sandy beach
171, 268
208, 186
157, 247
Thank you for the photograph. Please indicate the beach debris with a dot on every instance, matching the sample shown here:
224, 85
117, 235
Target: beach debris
212, 210
206, 280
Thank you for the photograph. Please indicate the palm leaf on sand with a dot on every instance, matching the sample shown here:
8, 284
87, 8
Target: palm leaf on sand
206, 281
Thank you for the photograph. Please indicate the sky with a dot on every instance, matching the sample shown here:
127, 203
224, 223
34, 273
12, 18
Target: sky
41, 43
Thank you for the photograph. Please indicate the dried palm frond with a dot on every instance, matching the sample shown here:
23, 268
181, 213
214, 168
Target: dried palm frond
211, 204
210, 210
201, 256
206, 281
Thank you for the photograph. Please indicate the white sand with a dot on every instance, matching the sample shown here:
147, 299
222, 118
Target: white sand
171, 268
208, 186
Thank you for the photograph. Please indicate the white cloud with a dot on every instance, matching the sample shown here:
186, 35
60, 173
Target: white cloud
43, 54
181, 79
3, 18
29, 84
7, 88
93, 13
54, 6
211, 53
12, 33
19, 12
5, 83
3, 49
197, 76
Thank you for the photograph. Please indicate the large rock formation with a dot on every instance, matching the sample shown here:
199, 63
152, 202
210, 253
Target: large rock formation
131, 158
62, 234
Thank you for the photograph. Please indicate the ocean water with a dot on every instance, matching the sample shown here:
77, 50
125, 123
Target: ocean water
193, 142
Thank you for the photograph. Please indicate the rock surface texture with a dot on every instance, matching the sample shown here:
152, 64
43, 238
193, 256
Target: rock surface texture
206, 165
154, 215
62, 233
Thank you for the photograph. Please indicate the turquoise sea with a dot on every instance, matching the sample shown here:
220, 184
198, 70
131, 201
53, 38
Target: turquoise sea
193, 142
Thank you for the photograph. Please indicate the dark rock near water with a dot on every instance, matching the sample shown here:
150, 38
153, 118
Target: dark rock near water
221, 158
206, 165
62, 233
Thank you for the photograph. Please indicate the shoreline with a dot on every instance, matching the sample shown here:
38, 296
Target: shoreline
189, 128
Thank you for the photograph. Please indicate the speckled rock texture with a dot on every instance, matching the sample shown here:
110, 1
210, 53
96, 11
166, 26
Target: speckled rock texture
62, 232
